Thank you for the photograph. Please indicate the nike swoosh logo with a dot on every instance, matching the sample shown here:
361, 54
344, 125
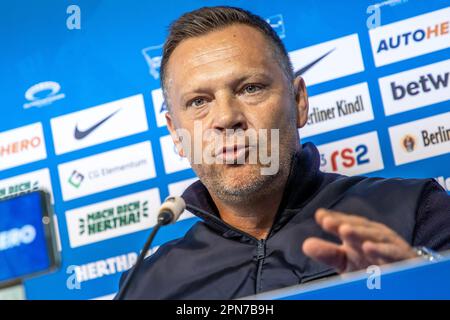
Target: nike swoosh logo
312, 64
81, 134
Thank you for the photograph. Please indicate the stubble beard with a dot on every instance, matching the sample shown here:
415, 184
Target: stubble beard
245, 183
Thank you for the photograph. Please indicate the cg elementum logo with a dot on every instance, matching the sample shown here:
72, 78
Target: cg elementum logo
75, 179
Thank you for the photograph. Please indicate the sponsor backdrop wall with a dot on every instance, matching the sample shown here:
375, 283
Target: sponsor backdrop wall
82, 112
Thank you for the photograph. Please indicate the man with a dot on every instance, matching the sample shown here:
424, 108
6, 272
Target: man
226, 70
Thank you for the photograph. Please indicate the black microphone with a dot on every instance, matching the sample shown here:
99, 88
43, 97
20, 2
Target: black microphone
169, 212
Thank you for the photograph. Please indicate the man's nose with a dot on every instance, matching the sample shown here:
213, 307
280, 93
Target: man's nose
229, 114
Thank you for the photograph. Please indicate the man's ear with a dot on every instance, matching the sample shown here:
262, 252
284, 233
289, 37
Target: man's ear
173, 133
301, 99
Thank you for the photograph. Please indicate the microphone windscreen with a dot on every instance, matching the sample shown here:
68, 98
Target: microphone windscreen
175, 205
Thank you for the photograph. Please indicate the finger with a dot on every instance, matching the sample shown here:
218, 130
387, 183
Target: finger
341, 216
325, 252
384, 253
357, 234
331, 221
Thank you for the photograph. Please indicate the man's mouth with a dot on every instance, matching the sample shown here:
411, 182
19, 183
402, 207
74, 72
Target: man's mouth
233, 154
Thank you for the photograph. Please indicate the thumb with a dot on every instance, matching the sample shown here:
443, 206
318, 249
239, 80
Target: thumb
325, 252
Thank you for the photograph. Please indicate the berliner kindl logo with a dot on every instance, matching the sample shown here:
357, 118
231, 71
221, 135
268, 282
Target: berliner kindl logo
409, 143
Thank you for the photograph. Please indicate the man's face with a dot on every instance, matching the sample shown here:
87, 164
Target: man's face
229, 82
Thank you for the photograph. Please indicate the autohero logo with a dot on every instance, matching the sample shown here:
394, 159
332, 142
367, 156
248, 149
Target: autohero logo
22, 145
408, 38
411, 37
43, 93
16, 237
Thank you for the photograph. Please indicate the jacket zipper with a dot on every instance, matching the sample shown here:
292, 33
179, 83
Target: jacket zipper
260, 250
260, 255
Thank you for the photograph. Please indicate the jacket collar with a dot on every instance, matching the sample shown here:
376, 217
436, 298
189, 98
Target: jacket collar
303, 182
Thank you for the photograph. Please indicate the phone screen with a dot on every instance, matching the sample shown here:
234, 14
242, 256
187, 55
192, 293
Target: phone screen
27, 238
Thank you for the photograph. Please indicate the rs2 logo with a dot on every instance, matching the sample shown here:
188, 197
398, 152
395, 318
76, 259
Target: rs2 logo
348, 157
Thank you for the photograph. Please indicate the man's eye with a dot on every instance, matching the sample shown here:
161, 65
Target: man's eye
252, 88
197, 102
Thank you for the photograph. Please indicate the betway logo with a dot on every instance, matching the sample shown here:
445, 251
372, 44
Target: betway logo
416, 88
421, 139
411, 37
425, 83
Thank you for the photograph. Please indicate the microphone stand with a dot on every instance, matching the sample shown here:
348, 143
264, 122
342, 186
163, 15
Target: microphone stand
163, 219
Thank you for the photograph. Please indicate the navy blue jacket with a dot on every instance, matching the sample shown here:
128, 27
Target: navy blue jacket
217, 261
